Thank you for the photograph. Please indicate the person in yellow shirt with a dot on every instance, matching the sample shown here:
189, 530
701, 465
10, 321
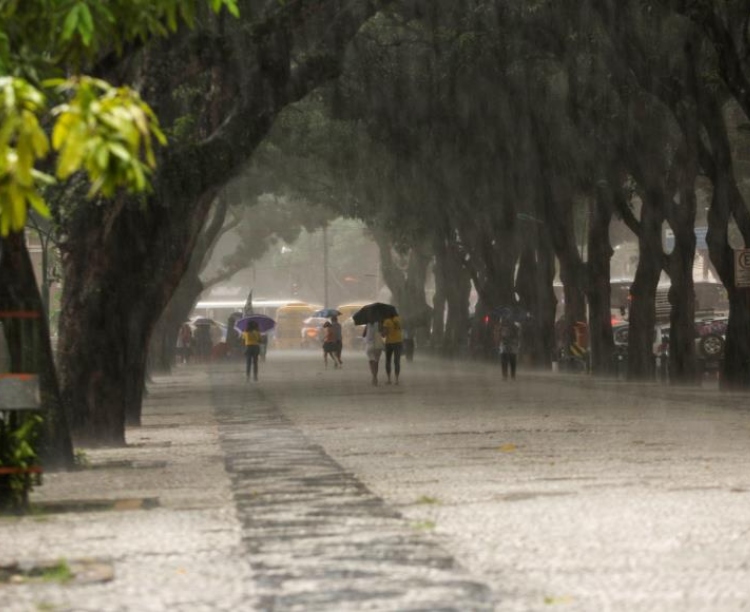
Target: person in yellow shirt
252, 340
394, 339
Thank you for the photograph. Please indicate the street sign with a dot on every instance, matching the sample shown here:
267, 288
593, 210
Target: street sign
19, 392
742, 268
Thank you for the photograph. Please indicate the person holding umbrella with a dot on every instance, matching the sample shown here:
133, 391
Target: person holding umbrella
338, 337
373, 315
252, 340
394, 338
374, 349
329, 345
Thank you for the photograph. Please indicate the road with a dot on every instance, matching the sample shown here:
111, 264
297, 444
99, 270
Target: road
551, 492
313, 491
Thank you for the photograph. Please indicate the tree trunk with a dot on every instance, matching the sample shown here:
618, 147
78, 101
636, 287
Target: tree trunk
110, 306
439, 300
406, 285
599, 290
535, 273
682, 362
573, 277
725, 203
29, 343
458, 292
559, 223
643, 290
164, 341
544, 316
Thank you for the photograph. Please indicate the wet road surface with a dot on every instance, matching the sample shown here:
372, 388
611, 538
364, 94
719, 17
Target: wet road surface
546, 491
312, 490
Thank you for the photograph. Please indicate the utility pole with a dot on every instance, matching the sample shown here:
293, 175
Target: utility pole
325, 266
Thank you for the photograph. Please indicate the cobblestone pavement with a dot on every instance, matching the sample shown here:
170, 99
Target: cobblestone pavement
317, 538
313, 490
557, 492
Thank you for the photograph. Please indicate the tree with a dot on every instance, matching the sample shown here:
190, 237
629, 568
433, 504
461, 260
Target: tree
253, 68
101, 130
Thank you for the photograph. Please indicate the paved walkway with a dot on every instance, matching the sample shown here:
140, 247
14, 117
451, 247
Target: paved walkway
313, 490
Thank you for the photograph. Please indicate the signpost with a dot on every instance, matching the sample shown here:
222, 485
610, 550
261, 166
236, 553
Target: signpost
742, 268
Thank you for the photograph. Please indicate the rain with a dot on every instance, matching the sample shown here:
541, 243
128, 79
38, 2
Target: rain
374, 305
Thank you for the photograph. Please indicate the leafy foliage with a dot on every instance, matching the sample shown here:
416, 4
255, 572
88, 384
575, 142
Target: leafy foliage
19, 436
105, 131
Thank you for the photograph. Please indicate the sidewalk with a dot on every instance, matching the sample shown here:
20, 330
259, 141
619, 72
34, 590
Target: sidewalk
151, 526
219, 502
314, 491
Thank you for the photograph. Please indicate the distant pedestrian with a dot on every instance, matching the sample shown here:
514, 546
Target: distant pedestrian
338, 337
374, 348
329, 345
184, 343
510, 342
394, 342
252, 340
202, 342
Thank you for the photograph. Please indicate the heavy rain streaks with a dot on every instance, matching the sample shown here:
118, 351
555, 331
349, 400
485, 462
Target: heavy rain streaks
378, 305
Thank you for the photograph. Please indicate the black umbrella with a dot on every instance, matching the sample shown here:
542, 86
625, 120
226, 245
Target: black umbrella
374, 313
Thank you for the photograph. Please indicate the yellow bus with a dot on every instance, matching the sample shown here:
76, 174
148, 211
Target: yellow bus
220, 310
289, 320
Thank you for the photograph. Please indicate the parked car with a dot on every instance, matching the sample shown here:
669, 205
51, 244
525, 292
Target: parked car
312, 332
660, 342
710, 339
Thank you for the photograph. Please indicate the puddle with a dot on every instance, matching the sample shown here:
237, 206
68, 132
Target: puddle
128, 464
95, 505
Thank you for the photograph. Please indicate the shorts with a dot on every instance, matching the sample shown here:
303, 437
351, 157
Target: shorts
253, 350
373, 354
329, 347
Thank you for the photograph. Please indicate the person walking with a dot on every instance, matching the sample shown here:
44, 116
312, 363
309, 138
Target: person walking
373, 349
184, 343
252, 340
394, 339
510, 342
338, 337
329, 345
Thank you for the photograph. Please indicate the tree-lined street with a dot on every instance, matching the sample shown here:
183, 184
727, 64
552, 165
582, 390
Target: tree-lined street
453, 490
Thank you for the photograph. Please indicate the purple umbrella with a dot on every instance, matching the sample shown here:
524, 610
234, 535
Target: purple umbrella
264, 323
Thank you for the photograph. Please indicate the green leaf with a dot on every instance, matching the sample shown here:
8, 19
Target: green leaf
38, 204
70, 25
120, 151
86, 28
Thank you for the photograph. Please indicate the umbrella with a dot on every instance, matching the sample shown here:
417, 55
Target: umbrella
374, 313
264, 323
326, 313
204, 321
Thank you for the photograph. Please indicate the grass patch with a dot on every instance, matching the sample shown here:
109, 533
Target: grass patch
424, 525
58, 571
81, 459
